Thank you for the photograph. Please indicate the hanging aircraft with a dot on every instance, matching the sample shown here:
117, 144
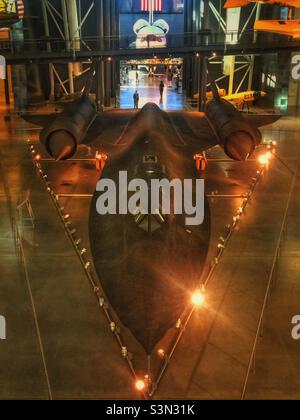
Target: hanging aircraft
149, 265
244, 98
242, 3
238, 99
282, 27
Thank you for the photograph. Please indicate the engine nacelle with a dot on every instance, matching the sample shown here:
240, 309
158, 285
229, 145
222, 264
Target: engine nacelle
237, 137
69, 129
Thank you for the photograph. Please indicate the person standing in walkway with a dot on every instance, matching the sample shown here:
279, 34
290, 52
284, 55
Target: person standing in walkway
161, 88
177, 82
136, 98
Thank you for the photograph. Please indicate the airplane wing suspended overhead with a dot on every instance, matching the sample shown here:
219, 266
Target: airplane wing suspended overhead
241, 3
282, 27
236, 3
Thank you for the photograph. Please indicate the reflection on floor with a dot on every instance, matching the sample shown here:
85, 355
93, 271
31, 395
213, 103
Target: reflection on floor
148, 89
81, 354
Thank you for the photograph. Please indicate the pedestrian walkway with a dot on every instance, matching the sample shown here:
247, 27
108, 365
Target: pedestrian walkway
148, 89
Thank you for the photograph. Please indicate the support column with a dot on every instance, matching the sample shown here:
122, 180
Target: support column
203, 83
231, 75
99, 85
257, 17
68, 44
107, 65
251, 71
74, 31
6, 88
107, 83
47, 33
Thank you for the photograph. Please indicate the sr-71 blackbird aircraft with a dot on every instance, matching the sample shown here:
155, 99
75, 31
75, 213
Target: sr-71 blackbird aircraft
149, 266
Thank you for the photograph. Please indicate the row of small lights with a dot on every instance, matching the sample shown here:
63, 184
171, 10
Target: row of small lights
263, 160
139, 383
213, 55
197, 298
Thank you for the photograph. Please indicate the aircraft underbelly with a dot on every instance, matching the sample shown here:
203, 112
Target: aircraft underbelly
148, 269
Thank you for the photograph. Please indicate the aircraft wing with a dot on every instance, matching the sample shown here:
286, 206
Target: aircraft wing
260, 120
197, 134
289, 3
236, 3
106, 128
192, 129
283, 27
42, 120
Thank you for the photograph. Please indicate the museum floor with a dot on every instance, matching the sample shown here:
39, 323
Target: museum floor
148, 89
59, 344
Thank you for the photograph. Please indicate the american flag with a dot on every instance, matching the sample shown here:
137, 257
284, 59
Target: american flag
20, 7
146, 5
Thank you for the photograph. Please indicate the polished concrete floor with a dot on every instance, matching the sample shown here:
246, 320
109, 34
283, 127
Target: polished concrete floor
58, 340
148, 89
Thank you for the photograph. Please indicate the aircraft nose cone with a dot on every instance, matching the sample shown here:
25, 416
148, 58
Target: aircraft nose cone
239, 146
61, 145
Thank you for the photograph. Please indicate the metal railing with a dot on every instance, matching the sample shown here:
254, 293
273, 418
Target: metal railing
85, 262
221, 246
24, 270
218, 40
259, 329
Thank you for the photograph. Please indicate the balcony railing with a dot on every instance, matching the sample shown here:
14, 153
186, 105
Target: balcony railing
181, 42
